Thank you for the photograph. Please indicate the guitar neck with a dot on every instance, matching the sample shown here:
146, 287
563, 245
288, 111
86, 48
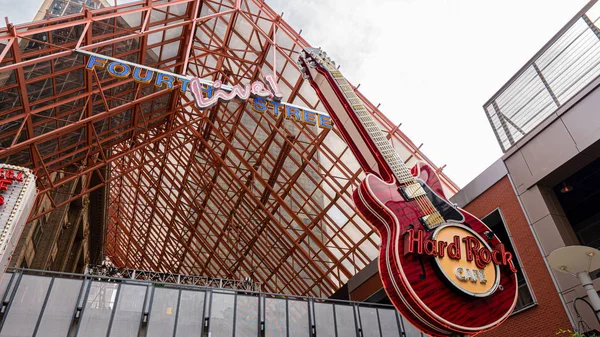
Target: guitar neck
362, 134
368, 143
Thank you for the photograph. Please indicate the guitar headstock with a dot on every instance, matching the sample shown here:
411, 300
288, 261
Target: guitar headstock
313, 58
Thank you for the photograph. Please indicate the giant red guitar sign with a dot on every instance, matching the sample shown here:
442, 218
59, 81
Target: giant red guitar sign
442, 268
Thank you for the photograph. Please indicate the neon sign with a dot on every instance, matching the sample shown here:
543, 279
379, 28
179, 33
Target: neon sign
257, 89
474, 250
266, 96
462, 256
7, 177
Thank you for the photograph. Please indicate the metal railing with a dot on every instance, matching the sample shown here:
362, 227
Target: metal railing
561, 69
51, 304
162, 277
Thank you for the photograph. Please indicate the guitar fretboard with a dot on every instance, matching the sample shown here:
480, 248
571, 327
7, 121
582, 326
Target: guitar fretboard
385, 148
411, 188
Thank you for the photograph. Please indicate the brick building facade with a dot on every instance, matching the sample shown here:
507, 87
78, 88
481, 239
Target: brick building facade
548, 308
491, 197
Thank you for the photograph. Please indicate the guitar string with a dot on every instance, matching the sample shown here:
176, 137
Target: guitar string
403, 174
400, 170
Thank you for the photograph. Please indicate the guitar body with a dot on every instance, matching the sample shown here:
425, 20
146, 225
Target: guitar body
413, 282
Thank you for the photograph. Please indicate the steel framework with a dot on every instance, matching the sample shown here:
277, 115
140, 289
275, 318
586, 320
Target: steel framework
226, 192
100, 270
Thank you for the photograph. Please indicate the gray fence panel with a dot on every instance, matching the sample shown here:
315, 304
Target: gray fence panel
191, 313
26, 306
161, 321
128, 315
58, 313
98, 309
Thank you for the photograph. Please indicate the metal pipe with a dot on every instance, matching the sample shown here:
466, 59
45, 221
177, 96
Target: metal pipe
586, 282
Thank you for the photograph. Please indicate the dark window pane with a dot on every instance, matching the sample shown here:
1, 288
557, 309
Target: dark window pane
26, 306
298, 317
369, 322
324, 320
128, 315
162, 315
344, 319
246, 316
60, 308
97, 310
221, 315
191, 308
389, 323
496, 224
275, 325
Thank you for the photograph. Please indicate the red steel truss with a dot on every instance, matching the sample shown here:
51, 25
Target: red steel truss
226, 192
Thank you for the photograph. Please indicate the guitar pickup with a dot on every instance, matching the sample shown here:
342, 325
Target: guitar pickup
411, 191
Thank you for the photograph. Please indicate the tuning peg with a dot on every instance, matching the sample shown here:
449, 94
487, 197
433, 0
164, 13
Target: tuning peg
312, 64
306, 77
303, 70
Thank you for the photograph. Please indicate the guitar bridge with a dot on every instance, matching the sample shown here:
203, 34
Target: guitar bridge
411, 191
432, 220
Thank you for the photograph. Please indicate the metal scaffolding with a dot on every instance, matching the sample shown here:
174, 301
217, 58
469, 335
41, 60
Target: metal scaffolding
226, 192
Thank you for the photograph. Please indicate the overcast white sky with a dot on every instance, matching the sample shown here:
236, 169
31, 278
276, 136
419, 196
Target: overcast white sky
431, 64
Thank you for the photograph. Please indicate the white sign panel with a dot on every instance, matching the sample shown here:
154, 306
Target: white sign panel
17, 197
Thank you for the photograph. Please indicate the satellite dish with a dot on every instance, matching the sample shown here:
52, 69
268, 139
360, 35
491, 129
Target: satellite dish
575, 259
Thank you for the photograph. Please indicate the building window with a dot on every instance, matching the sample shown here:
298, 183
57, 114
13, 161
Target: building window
579, 198
496, 223
37, 232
